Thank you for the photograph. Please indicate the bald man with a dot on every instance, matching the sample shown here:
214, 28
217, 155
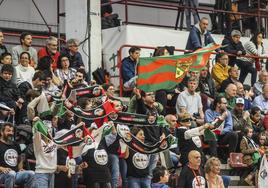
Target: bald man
230, 95
172, 121
192, 175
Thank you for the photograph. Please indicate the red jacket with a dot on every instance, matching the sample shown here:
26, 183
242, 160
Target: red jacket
44, 52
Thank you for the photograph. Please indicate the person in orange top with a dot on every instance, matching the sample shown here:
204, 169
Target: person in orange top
51, 50
220, 69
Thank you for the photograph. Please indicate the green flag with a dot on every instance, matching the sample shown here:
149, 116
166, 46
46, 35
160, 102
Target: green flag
41, 127
165, 72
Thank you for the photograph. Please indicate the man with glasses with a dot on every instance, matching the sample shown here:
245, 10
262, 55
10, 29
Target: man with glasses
74, 56
189, 139
219, 116
51, 50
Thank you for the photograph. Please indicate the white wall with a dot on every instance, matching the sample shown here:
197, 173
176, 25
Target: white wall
24, 11
77, 27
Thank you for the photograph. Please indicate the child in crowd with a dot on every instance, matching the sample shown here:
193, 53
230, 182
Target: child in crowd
251, 153
160, 177
262, 142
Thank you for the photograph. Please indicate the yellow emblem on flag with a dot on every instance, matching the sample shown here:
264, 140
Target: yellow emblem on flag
183, 67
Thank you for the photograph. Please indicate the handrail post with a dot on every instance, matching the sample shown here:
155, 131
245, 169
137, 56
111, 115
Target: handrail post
126, 12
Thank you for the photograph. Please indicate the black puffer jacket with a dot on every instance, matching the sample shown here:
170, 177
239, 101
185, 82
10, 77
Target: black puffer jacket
232, 48
8, 91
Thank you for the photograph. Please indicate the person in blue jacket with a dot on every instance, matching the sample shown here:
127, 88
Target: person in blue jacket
199, 36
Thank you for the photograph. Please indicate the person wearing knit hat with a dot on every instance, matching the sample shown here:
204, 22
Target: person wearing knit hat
233, 45
235, 33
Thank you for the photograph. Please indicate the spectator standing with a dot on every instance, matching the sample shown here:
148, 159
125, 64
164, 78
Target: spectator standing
25, 46
138, 164
45, 152
73, 55
189, 139
50, 50
3, 48
199, 36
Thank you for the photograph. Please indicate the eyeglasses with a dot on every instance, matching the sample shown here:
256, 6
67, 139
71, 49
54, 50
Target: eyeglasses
186, 120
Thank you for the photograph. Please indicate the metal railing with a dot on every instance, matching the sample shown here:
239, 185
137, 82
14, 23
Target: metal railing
260, 13
44, 37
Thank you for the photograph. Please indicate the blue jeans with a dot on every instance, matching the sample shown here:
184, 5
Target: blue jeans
25, 178
175, 160
152, 163
117, 166
226, 181
45, 180
139, 182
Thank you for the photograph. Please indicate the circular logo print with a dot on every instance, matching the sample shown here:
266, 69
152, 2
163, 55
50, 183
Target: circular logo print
99, 112
113, 116
11, 157
123, 132
78, 133
140, 161
199, 182
101, 157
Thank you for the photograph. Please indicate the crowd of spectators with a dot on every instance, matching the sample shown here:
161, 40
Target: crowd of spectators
208, 99
215, 98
